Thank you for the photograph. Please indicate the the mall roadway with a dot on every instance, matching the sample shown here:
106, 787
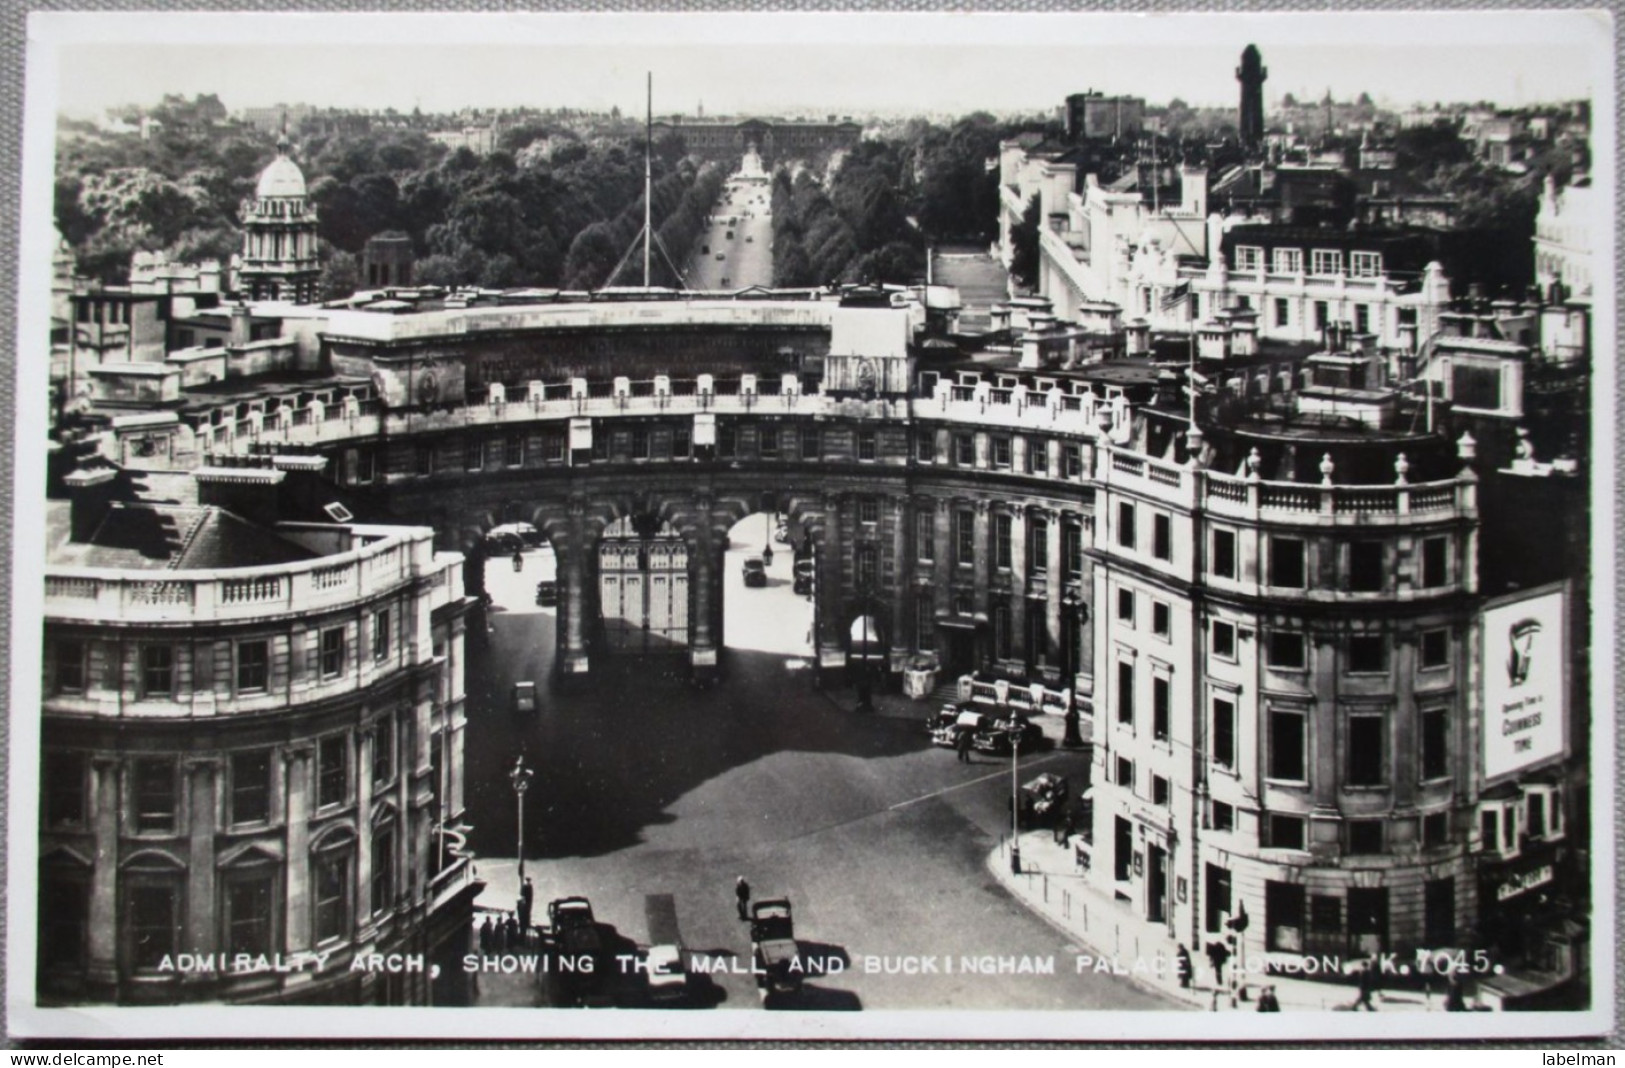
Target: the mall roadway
645, 786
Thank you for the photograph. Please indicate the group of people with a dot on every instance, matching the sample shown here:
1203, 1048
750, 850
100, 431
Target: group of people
509, 930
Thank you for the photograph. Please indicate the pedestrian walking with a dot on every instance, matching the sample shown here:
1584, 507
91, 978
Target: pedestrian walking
487, 936
1064, 830
742, 897
1368, 987
1182, 966
510, 932
1267, 1001
962, 744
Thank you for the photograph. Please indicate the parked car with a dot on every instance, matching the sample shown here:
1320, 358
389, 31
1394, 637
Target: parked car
668, 973
804, 577
524, 697
547, 593
525, 533
579, 959
950, 720
755, 572
1043, 799
773, 947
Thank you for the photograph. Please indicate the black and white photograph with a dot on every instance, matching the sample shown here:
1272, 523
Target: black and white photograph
814, 526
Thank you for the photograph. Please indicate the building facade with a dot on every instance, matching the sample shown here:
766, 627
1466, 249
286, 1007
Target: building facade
252, 742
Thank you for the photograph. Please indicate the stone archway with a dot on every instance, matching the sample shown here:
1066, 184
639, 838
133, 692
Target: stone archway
643, 587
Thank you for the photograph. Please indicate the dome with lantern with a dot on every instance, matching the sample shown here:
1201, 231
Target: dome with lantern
282, 178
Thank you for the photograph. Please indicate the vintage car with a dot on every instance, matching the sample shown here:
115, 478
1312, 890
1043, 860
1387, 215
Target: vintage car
547, 593
773, 947
950, 720
524, 697
579, 959
1043, 799
804, 570
1013, 727
755, 572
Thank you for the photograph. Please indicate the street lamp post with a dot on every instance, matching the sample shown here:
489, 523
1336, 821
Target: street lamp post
520, 776
1015, 799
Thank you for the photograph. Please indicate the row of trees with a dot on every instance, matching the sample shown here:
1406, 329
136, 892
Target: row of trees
856, 230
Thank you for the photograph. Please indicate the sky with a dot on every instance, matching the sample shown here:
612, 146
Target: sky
835, 63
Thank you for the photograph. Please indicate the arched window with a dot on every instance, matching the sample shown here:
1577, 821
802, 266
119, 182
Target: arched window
249, 904
332, 883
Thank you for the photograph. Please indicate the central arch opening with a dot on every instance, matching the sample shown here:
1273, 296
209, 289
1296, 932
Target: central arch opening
768, 588
643, 594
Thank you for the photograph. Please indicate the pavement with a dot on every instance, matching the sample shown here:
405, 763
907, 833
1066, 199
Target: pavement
1051, 886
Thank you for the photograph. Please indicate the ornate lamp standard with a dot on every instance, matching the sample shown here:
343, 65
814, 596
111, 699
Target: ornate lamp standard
1015, 796
520, 776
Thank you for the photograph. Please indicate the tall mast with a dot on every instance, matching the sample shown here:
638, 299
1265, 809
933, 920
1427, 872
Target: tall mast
648, 176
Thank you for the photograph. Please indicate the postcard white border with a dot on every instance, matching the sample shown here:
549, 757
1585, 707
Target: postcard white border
48, 32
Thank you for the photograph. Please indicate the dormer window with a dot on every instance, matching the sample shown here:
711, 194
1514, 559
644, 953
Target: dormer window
1249, 258
1326, 262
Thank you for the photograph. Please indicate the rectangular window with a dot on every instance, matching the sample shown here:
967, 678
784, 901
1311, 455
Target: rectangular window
1288, 260
1125, 606
383, 867
254, 667
1435, 649
333, 771
1283, 312
1125, 773
1365, 264
1288, 735
366, 466
925, 447
1074, 460
1072, 552
154, 795
925, 526
1365, 566
1286, 832
1287, 563
1002, 548
513, 450
474, 455
1435, 557
157, 670
1224, 640
1439, 912
964, 450
553, 446
64, 789
682, 443
1489, 828
1366, 752
812, 445
1160, 619
1125, 692
1159, 790
1125, 524
1161, 708
251, 787
249, 914
1287, 650
1249, 258
383, 750
868, 565
1037, 456
1224, 816
1325, 261
1362, 318
332, 652
380, 634
640, 444
1122, 850
965, 538
868, 510
1224, 732
64, 915
1001, 453
1436, 830
1037, 546
1368, 654
1002, 636
1325, 924
1162, 537
1365, 837
1224, 553
1435, 742
1284, 915
154, 923
69, 667
866, 445
925, 623
1323, 315
331, 876
727, 441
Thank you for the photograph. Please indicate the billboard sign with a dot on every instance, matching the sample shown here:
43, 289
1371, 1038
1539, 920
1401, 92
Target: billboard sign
1525, 681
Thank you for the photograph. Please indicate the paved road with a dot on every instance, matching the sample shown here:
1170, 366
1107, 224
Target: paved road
646, 786
746, 258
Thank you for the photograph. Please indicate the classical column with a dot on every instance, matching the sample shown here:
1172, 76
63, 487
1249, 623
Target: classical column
574, 660
201, 775
103, 963
365, 741
831, 575
982, 557
902, 514
1053, 593
706, 576
297, 797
